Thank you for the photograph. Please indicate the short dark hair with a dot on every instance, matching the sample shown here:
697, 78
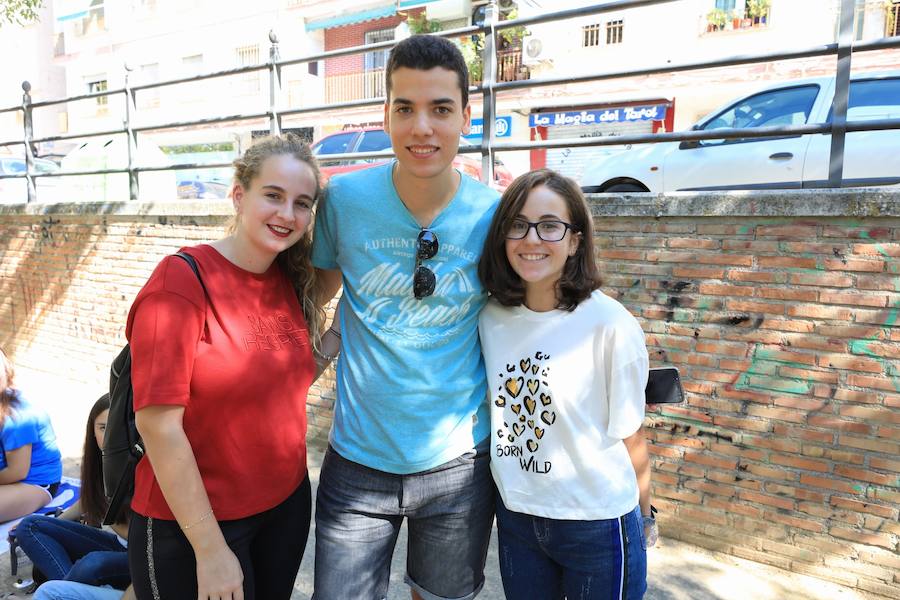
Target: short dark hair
580, 275
424, 52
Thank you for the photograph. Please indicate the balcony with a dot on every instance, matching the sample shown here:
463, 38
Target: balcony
509, 65
755, 16
348, 87
892, 19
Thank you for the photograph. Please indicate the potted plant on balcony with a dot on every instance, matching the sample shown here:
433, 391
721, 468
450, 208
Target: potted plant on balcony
758, 11
716, 19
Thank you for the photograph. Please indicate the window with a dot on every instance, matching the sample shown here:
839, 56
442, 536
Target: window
192, 65
614, 31
590, 35
95, 85
246, 56
787, 106
93, 21
378, 59
373, 83
374, 140
333, 144
726, 5
149, 98
873, 99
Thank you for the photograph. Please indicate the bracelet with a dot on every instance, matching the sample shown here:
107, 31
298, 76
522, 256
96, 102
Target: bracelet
208, 514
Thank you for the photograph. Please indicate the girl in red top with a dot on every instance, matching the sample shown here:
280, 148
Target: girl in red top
222, 500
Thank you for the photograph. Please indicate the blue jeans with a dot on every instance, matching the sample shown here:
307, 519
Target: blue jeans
71, 590
359, 512
551, 559
75, 552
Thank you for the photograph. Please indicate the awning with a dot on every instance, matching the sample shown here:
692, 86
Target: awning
68, 10
351, 18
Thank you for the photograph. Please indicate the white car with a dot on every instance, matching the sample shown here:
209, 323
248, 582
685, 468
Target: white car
787, 162
14, 191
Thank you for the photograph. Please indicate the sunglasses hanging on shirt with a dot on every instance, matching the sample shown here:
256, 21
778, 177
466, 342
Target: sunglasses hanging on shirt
423, 278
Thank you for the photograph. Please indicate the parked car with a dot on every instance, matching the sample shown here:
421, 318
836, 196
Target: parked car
196, 189
786, 162
13, 191
376, 139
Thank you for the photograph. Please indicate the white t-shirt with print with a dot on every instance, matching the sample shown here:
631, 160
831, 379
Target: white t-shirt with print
565, 388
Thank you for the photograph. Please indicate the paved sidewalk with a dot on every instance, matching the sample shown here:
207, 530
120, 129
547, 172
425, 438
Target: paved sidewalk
677, 571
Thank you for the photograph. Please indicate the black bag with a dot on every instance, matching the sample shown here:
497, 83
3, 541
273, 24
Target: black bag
664, 386
122, 444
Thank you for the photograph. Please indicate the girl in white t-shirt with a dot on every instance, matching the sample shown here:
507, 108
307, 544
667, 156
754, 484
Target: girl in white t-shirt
567, 367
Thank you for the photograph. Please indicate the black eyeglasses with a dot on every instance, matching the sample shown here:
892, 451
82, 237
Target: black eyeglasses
548, 231
423, 277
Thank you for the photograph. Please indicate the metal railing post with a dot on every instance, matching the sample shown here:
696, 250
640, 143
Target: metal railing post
29, 135
489, 102
841, 94
274, 85
130, 108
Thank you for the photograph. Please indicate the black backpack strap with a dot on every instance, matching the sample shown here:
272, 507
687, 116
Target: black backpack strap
193, 264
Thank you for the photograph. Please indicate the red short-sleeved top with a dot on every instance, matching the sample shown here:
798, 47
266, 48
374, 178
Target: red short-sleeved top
240, 361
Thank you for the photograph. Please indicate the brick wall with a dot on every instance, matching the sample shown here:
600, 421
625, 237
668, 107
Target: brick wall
780, 311
349, 36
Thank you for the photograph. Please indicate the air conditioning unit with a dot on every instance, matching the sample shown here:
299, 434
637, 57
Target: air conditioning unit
533, 50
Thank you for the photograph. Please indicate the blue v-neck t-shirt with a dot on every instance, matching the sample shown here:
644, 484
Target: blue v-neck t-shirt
410, 378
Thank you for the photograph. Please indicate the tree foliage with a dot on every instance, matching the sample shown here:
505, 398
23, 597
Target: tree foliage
19, 12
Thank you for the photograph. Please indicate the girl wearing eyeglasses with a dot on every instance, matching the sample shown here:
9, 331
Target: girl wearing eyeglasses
567, 367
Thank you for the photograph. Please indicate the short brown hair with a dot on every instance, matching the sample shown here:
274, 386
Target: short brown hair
424, 52
580, 275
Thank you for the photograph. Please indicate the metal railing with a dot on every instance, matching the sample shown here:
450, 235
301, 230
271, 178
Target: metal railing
489, 87
892, 20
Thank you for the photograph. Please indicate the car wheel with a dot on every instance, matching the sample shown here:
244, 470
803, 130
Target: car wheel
625, 187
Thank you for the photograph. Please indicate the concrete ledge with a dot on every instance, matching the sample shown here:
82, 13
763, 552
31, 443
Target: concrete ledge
851, 202
178, 208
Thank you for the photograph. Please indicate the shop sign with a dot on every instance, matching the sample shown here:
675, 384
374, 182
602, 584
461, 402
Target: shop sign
502, 128
622, 114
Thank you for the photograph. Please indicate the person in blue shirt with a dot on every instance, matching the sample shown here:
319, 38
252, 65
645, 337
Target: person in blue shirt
30, 462
411, 425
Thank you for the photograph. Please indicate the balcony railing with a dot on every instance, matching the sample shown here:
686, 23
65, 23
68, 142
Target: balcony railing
509, 65
490, 88
348, 87
892, 20
354, 86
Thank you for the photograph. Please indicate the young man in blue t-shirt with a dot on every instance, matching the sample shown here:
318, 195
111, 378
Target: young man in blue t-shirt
411, 427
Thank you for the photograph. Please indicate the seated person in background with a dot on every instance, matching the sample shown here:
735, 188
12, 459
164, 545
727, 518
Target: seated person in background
72, 590
65, 548
30, 462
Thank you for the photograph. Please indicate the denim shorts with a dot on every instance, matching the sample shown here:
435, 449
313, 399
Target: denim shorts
359, 511
551, 559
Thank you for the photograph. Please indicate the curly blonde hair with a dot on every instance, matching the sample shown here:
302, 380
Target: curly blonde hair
296, 261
